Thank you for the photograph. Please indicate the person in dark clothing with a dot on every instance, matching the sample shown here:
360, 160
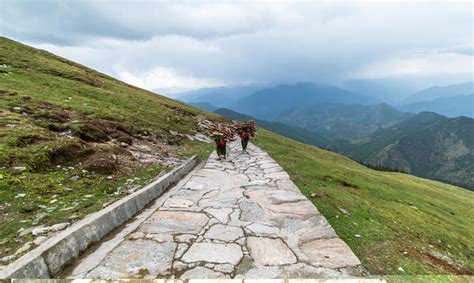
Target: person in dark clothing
221, 144
244, 140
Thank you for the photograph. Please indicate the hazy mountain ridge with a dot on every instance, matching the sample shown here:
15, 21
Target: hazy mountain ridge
271, 103
337, 121
218, 96
441, 91
454, 106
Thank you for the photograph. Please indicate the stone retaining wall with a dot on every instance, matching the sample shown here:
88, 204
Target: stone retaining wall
50, 257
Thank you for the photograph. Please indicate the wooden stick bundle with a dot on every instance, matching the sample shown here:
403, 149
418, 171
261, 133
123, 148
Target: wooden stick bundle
229, 131
247, 126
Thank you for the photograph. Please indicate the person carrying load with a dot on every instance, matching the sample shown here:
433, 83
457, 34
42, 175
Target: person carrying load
244, 139
221, 144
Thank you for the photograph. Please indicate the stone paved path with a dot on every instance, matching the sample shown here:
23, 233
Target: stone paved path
239, 218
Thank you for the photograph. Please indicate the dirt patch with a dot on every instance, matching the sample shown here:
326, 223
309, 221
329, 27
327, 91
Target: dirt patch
445, 264
173, 140
58, 128
99, 158
103, 162
348, 184
29, 140
52, 116
7, 93
97, 130
92, 133
52, 113
122, 137
21, 109
70, 153
180, 110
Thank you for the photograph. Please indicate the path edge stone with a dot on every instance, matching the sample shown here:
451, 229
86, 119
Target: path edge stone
50, 257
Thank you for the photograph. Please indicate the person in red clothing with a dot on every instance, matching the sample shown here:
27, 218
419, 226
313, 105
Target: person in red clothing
244, 140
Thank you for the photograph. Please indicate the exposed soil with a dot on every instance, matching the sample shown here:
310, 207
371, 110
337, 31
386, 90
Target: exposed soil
102, 162
347, 184
99, 130
445, 264
52, 113
180, 110
69, 153
29, 140
7, 93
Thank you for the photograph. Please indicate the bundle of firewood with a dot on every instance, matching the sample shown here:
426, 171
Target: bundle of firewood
228, 131
247, 126
214, 128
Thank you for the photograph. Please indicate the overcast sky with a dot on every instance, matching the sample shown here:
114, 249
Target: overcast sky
191, 44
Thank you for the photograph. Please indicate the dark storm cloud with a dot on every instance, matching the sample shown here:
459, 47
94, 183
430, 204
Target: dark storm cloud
75, 22
189, 43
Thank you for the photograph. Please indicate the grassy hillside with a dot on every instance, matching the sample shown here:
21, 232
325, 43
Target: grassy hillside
395, 223
72, 140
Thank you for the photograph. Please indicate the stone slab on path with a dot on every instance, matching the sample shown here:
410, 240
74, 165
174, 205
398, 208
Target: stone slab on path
237, 218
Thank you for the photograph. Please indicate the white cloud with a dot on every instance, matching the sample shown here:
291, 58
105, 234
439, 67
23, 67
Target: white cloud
163, 78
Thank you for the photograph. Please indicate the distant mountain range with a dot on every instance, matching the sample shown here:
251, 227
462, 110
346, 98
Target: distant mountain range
337, 121
435, 92
427, 145
397, 90
454, 106
218, 96
388, 90
271, 103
